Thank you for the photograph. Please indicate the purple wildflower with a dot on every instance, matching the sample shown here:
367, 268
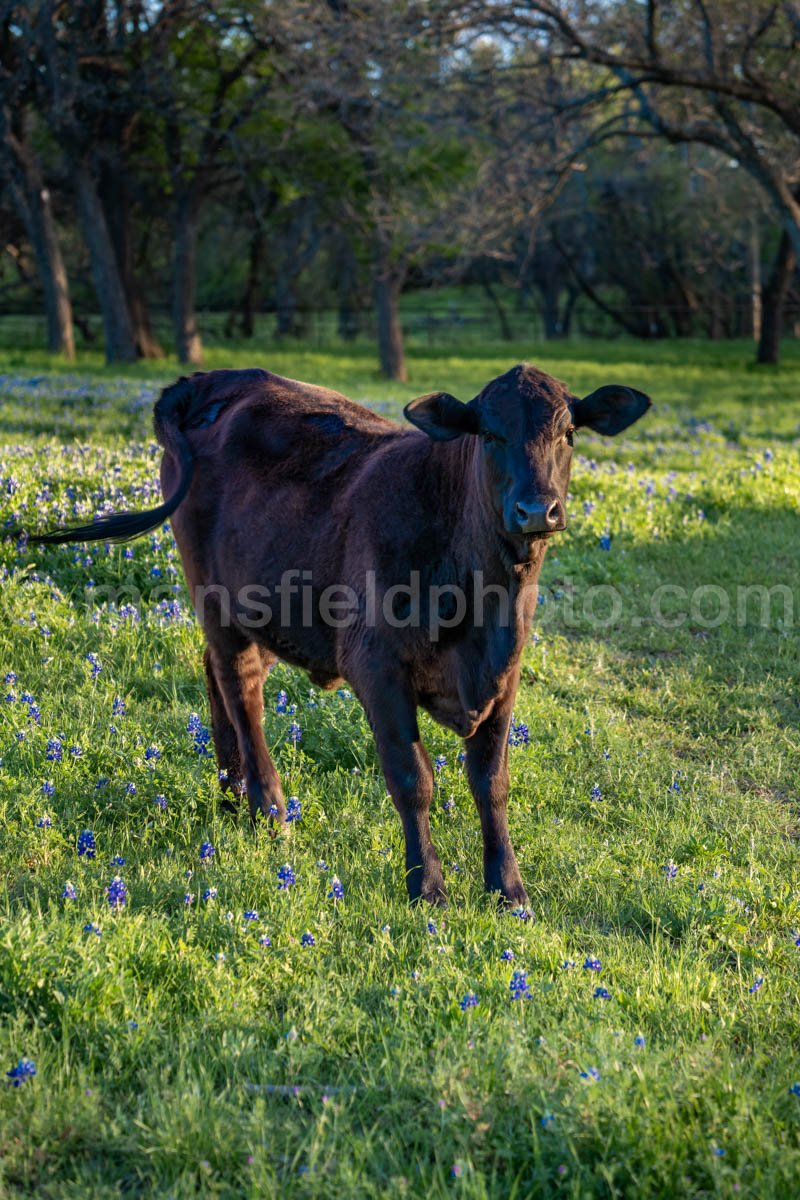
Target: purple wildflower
286, 877
24, 1069
117, 893
337, 891
86, 844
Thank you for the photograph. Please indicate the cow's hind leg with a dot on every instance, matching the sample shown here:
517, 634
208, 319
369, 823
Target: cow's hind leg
487, 771
409, 778
226, 743
239, 669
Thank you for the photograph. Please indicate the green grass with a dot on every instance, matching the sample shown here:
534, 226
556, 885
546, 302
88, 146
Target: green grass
690, 732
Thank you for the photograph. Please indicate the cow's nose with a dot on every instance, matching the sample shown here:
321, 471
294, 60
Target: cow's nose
540, 516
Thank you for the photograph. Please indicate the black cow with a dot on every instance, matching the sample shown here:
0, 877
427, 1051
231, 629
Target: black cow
402, 560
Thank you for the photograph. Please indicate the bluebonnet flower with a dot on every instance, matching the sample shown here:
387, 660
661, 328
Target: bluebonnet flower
307, 939
519, 986
449, 804
601, 993
130, 789
48, 788
117, 893
440, 762
794, 1090
674, 786
547, 1120
507, 955
86, 844
518, 734
273, 810
55, 751
796, 936
718, 1151
596, 793
286, 877
76, 751
568, 964
128, 552
70, 892
209, 894
588, 507
756, 984
590, 1073
295, 733
152, 754
431, 926
337, 891
281, 702
118, 861
119, 708
605, 541
92, 928
207, 852
34, 715
670, 869
44, 822
200, 734
24, 1069
161, 802
101, 783
188, 899
639, 1041
264, 940
323, 866
95, 664
592, 964
344, 693
250, 914
294, 809
10, 678
521, 913
469, 1001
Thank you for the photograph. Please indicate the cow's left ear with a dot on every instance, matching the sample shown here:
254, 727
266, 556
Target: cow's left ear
611, 409
441, 416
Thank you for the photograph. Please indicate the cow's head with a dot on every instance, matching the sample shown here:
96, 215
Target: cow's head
525, 420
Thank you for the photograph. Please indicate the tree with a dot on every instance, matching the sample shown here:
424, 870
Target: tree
25, 183
719, 72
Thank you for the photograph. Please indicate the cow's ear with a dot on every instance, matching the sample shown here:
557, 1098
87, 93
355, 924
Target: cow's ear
441, 416
611, 409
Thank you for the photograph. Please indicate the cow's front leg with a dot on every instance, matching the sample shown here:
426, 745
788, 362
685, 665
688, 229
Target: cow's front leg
407, 769
487, 771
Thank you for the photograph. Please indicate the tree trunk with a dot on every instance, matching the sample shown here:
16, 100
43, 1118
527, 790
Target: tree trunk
346, 285
255, 275
53, 276
33, 204
388, 283
773, 301
187, 339
502, 316
113, 192
117, 323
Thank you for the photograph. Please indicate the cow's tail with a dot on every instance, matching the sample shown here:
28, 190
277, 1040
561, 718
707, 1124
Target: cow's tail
121, 527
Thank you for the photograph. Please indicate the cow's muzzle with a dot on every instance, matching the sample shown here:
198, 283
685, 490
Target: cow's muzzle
536, 517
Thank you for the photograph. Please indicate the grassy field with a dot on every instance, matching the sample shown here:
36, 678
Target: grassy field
192, 1042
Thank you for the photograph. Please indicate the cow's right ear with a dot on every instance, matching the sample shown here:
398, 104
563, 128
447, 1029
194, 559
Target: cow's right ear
441, 416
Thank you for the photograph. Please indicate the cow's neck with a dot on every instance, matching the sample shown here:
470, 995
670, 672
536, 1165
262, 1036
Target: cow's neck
479, 542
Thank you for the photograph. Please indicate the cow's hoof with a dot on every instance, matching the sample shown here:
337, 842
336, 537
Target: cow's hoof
430, 890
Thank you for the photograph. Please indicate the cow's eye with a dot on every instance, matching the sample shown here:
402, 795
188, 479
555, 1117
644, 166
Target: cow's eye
490, 438
568, 436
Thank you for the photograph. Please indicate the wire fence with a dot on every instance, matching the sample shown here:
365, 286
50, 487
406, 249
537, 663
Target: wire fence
453, 323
